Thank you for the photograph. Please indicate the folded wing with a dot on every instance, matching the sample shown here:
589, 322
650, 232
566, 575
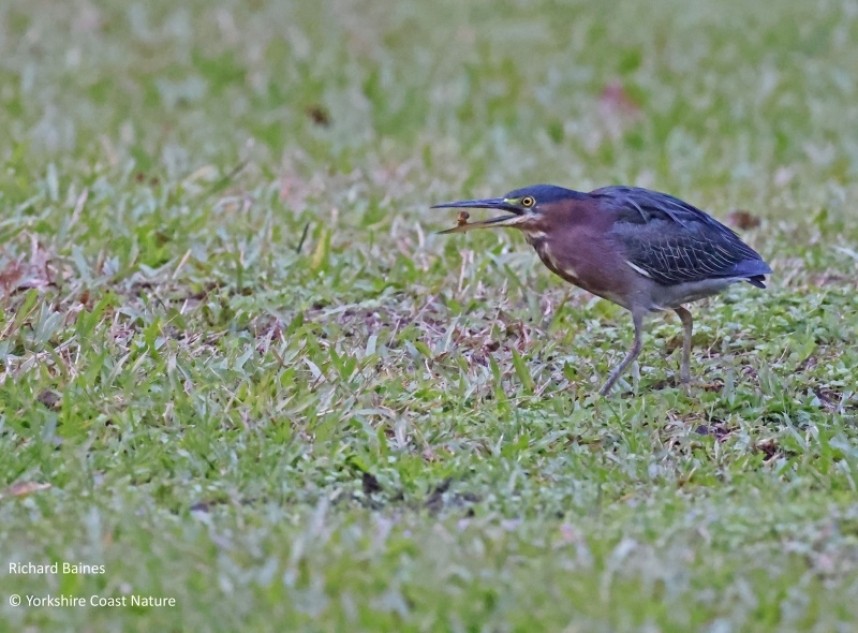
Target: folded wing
672, 242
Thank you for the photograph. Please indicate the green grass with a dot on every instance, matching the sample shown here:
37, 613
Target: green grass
255, 381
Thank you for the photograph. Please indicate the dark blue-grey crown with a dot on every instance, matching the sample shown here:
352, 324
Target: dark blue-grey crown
545, 194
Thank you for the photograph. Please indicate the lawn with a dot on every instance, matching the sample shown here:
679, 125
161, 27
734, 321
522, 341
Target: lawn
240, 370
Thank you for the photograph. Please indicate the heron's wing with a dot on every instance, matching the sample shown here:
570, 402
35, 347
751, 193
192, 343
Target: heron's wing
672, 242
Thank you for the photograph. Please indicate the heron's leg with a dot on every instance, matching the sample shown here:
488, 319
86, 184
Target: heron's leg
687, 328
637, 319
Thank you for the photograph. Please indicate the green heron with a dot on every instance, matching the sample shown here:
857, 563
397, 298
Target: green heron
643, 250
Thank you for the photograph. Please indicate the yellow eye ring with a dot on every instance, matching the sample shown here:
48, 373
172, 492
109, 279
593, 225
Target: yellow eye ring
528, 201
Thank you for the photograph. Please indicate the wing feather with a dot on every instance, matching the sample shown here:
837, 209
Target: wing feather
674, 242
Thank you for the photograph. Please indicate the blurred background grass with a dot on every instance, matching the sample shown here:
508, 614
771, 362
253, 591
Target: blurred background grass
682, 94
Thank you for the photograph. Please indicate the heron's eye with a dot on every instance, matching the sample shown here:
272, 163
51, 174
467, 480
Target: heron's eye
528, 201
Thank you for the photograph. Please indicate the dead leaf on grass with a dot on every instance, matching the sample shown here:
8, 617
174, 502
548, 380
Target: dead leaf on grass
743, 219
23, 489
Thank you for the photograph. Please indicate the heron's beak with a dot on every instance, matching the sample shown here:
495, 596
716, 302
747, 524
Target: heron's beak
514, 216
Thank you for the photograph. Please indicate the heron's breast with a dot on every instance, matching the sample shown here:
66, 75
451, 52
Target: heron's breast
592, 263
563, 266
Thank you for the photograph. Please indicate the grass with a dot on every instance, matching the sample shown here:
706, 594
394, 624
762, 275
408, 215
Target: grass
240, 370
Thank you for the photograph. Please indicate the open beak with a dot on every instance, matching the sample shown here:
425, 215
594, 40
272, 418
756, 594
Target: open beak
514, 214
